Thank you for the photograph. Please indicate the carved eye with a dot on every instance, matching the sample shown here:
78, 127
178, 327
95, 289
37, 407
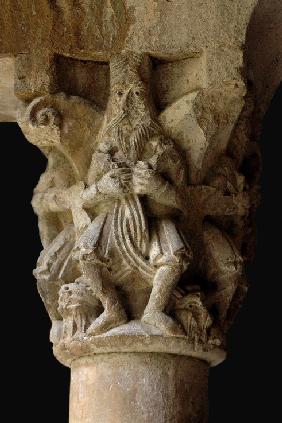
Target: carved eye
120, 93
137, 93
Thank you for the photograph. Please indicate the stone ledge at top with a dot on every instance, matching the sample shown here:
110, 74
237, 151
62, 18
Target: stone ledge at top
164, 29
8, 101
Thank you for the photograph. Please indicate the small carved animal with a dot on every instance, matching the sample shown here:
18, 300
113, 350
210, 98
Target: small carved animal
194, 317
78, 307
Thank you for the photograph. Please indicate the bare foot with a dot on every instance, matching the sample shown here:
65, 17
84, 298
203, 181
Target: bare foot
163, 322
109, 319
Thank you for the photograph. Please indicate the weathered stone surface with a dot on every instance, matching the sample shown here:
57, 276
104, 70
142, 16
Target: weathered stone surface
139, 388
146, 208
9, 103
263, 54
94, 31
133, 337
115, 211
172, 80
104, 27
97, 30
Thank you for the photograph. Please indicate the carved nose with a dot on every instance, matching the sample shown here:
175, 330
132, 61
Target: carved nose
125, 98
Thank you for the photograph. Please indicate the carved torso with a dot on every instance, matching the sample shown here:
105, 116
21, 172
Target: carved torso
159, 153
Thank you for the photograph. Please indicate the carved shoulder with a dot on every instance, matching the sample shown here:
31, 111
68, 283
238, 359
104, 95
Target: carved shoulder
100, 164
164, 157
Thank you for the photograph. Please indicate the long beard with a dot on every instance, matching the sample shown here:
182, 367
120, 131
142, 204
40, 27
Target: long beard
132, 144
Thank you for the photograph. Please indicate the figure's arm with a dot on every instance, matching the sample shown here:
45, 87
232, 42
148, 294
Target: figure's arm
111, 185
225, 177
166, 184
53, 200
224, 191
105, 180
147, 181
167, 194
212, 202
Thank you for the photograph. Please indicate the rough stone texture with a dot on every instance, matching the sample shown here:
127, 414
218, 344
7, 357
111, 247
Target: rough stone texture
9, 103
122, 210
263, 52
139, 388
129, 338
81, 30
148, 118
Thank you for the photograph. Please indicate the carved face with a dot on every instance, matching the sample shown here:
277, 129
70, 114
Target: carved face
130, 98
130, 116
74, 294
191, 302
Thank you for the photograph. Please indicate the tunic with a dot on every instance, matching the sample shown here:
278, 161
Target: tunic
134, 232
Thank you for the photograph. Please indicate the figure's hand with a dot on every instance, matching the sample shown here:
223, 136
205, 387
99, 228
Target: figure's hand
146, 180
116, 182
88, 195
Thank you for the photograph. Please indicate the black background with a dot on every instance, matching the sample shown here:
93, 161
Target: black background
242, 389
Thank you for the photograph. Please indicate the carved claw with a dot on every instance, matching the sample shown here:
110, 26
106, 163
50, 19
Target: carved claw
109, 319
163, 322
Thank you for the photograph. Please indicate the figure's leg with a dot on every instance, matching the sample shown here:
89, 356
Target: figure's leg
222, 298
113, 314
52, 262
165, 280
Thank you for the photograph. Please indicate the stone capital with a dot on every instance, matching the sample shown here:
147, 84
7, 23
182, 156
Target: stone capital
149, 123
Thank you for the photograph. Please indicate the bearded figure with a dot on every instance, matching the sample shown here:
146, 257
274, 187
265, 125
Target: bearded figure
134, 197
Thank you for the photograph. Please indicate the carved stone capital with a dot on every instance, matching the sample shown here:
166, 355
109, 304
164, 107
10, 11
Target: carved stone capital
146, 208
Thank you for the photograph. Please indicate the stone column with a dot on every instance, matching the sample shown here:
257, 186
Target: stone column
139, 387
146, 208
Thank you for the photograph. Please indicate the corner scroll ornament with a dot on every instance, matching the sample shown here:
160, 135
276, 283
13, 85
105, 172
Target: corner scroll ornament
131, 248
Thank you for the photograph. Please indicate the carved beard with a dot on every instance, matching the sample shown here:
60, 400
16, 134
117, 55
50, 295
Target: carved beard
132, 141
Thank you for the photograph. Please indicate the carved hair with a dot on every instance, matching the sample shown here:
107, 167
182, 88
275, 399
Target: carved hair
131, 68
133, 149
135, 65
